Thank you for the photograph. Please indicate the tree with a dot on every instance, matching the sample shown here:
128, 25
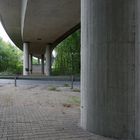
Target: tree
10, 58
67, 60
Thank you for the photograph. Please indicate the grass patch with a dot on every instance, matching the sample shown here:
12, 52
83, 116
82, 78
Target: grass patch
74, 100
52, 88
76, 90
66, 85
67, 105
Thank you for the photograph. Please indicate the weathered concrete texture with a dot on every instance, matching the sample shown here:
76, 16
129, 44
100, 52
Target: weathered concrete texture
25, 58
48, 60
110, 68
42, 63
30, 63
39, 22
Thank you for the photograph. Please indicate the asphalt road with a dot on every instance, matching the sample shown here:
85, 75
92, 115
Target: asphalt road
37, 82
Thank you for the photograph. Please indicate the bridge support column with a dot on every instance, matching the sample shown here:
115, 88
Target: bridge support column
48, 60
42, 63
110, 72
39, 61
25, 58
30, 63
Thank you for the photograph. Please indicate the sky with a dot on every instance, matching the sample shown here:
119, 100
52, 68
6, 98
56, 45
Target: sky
4, 35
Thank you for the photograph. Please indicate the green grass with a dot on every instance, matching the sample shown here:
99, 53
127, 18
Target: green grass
66, 85
53, 88
74, 100
76, 90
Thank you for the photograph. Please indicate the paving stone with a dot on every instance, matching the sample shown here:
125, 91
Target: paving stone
25, 115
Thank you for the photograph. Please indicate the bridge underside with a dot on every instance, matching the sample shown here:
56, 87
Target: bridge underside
39, 22
110, 54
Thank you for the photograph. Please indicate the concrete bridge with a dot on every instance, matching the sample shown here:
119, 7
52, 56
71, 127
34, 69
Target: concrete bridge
110, 54
37, 27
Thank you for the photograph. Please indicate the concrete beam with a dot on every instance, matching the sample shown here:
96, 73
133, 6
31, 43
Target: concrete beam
48, 13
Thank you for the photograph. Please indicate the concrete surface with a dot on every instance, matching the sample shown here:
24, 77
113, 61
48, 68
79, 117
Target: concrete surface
42, 77
25, 59
10, 13
42, 64
48, 56
110, 73
39, 22
47, 82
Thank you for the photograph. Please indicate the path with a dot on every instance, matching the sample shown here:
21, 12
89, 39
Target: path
40, 112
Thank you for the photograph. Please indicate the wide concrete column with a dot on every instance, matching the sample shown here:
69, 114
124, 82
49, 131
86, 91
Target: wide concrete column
30, 63
110, 72
25, 58
42, 63
48, 60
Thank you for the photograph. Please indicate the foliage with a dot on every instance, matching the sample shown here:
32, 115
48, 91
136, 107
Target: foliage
66, 85
35, 61
74, 100
67, 61
53, 88
10, 58
76, 90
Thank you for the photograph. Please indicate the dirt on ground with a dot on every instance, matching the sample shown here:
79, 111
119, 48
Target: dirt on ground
41, 112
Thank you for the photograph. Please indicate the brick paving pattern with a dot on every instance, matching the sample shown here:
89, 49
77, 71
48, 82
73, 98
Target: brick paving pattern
35, 113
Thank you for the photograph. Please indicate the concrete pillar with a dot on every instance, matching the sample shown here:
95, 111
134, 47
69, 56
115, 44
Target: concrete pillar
38, 60
25, 58
42, 63
110, 71
30, 63
48, 61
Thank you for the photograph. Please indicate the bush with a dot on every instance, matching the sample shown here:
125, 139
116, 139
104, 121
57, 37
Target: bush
10, 59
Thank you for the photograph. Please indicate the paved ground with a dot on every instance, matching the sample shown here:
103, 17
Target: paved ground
38, 82
40, 112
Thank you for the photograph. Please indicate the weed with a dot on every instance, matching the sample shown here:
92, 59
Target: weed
66, 85
67, 105
74, 100
76, 90
53, 88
